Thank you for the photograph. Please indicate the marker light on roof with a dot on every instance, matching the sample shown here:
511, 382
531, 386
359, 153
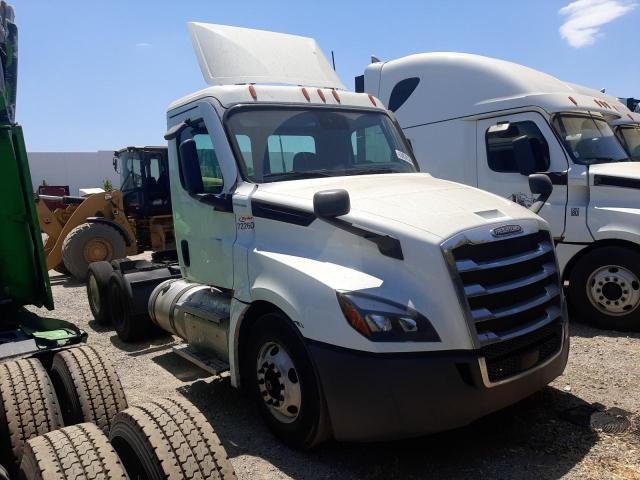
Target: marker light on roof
373, 100
335, 95
321, 95
630, 117
252, 91
597, 102
573, 100
306, 94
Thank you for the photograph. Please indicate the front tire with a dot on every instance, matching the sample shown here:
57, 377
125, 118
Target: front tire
604, 288
284, 384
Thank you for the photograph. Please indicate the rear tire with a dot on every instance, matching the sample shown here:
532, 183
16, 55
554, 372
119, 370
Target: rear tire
604, 288
283, 382
91, 242
29, 407
97, 279
128, 326
169, 439
88, 387
79, 452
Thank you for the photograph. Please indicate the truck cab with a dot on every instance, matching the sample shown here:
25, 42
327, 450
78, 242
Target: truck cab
490, 124
351, 295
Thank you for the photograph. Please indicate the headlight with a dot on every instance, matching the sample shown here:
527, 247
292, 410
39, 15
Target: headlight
383, 321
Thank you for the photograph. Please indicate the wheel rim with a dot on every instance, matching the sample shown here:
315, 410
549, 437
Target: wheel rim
278, 382
614, 290
97, 249
94, 293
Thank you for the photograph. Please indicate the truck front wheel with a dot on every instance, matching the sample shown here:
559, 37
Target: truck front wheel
284, 384
604, 288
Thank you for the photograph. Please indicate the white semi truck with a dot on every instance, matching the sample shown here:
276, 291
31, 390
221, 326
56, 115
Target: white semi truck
490, 124
626, 126
351, 295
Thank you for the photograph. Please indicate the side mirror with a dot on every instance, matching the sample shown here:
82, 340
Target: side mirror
115, 164
331, 203
540, 184
190, 167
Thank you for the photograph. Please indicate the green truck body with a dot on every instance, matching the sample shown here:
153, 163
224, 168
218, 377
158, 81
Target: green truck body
24, 279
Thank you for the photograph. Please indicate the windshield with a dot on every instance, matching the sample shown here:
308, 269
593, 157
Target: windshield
630, 138
138, 166
278, 144
589, 139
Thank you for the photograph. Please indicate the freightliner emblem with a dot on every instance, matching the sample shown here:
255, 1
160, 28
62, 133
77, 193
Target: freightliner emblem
506, 230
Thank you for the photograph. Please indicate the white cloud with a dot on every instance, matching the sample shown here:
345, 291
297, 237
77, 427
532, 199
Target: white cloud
143, 45
586, 17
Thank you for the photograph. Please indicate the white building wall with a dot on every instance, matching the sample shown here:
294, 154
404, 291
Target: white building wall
76, 169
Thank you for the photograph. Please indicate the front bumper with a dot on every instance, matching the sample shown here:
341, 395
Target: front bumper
389, 396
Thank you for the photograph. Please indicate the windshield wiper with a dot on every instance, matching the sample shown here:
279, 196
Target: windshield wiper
298, 175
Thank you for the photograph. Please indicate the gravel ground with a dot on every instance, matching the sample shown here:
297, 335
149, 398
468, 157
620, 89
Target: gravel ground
549, 435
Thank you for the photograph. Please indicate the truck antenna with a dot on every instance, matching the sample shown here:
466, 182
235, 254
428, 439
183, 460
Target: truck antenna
333, 60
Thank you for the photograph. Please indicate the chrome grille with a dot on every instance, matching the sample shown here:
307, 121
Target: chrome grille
512, 286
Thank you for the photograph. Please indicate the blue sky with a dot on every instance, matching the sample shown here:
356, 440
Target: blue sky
100, 74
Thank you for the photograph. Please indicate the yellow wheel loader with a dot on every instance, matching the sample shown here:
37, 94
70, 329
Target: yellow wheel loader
107, 226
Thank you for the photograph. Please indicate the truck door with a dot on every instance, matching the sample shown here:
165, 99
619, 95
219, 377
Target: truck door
205, 227
498, 141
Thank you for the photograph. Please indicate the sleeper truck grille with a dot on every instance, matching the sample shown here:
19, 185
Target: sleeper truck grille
512, 289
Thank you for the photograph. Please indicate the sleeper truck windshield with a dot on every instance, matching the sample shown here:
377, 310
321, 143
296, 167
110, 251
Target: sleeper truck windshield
629, 136
276, 144
589, 140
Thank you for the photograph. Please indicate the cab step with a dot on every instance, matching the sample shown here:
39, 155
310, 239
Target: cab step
204, 360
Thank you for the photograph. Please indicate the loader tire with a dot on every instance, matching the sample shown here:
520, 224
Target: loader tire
29, 407
169, 439
80, 452
88, 387
91, 242
97, 280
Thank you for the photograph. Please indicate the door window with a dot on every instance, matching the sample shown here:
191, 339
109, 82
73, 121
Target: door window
500, 152
209, 166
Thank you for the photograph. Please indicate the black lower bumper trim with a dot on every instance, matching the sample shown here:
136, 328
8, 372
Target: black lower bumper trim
379, 397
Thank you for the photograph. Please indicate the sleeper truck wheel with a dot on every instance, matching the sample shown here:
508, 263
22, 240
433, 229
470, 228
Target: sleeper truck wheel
169, 439
97, 281
91, 242
29, 407
88, 387
129, 326
283, 382
604, 288
78, 452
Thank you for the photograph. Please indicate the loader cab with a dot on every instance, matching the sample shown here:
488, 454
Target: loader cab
144, 180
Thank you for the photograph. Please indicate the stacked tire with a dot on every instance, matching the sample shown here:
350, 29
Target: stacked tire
71, 421
31, 406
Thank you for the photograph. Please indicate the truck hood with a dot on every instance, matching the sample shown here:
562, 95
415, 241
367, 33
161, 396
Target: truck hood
615, 174
393, 202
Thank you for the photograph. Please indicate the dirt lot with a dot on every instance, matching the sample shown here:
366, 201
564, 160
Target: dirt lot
557, 433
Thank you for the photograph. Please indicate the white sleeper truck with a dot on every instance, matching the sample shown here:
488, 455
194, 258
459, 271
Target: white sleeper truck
490, 124
626, 126
351, 295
